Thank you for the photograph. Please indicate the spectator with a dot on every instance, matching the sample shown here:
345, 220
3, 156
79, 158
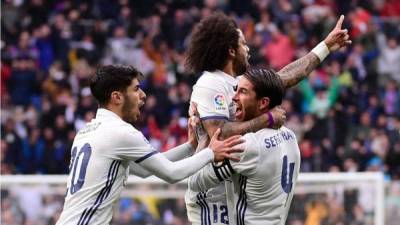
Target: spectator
345, 116
22, 82
279, 51
388, 59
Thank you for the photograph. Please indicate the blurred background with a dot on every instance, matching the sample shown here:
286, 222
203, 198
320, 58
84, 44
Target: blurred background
346, 115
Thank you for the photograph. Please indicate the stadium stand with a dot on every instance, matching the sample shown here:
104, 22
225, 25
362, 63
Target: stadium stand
346, 115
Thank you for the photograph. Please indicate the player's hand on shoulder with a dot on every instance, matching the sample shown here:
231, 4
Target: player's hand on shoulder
224, 149
193, 122
193, 110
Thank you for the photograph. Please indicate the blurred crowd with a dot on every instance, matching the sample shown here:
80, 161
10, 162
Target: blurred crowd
346, 115
42, 205
332, 205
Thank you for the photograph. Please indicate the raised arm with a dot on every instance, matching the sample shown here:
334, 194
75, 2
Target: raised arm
296, 71
301, 68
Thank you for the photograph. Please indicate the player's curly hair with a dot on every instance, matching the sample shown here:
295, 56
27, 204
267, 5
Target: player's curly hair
210, 42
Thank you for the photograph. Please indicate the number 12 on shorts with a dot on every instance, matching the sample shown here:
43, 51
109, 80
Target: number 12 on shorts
223, 213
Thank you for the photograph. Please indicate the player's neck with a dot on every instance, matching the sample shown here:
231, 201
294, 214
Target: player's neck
228, 69
261, 112
115, 109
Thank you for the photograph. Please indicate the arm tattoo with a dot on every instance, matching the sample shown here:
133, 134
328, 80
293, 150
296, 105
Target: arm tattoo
298, 70
229, 129
253, 125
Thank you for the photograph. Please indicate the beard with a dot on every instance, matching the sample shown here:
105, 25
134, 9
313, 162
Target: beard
250, 113
240, 65
127, 114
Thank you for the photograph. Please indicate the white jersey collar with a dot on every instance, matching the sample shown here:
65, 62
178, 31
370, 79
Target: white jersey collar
230, 79
105, 113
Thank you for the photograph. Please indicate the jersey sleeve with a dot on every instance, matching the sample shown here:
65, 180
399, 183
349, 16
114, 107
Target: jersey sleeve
172, 172
174, 154
204, 179
212, 102
132, 145
138, 170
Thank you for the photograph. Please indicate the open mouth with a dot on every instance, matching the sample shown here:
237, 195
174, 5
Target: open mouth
239, 111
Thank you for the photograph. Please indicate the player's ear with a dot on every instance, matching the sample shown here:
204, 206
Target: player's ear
117, 97
263, 103
232, 52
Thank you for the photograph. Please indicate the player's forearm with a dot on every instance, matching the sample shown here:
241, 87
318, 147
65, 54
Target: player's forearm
296, 71
179, 152
204, 179
138, 170
174, 154
234, 128
173, 172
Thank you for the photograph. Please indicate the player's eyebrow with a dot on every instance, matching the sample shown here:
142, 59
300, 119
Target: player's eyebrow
242, 89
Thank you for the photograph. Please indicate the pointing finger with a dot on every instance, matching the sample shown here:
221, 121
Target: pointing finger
340, 22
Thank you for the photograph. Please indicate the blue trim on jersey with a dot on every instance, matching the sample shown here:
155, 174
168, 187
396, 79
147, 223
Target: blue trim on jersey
205, 210
146, 156
241, 204
228, 163
88, 213
214, 117
202, 211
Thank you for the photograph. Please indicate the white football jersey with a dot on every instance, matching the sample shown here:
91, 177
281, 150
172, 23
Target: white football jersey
100, 158
262, 182
213, 94
99, 161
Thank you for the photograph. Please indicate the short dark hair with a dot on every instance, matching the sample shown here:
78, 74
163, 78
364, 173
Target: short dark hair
210, 42
266, 83
112, 78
